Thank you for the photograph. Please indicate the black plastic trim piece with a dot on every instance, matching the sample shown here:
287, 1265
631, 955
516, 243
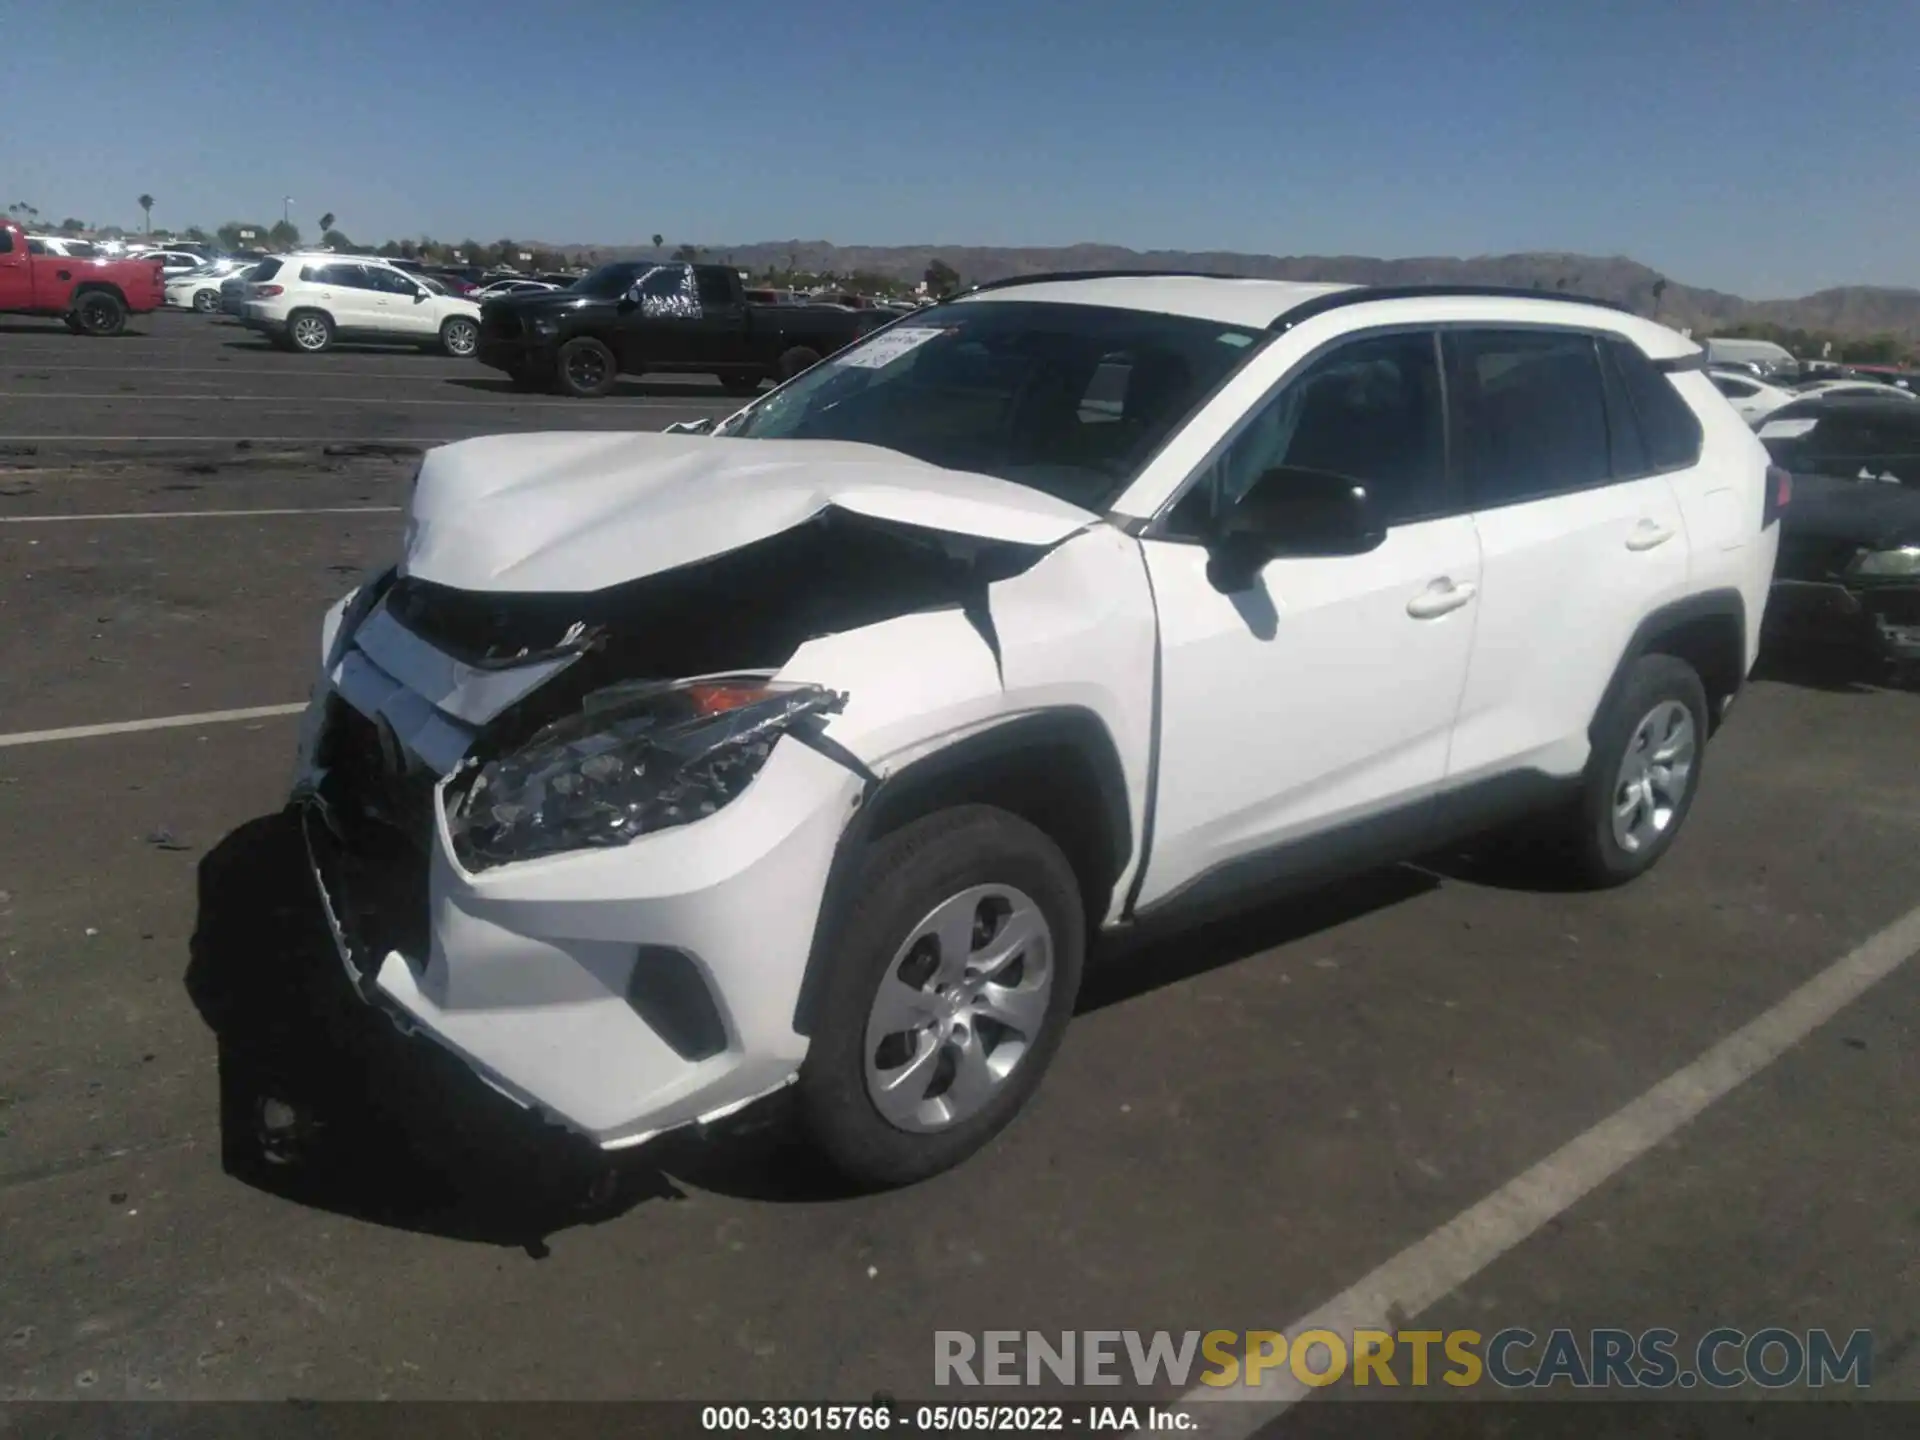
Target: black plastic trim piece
1063, 276
920, 788
1396, 836
1720, 604
1680, 364
1366, 294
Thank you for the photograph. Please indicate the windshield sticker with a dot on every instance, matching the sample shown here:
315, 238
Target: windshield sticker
1786, 429
888, 346
1235, 340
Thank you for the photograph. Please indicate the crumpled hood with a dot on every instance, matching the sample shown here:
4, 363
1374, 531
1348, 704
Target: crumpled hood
577, 511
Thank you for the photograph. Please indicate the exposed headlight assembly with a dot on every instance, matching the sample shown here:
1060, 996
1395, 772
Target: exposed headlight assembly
1889, 564
544, 327
637, 758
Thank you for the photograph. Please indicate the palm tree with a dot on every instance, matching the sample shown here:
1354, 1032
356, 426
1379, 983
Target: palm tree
658, 241
145, 202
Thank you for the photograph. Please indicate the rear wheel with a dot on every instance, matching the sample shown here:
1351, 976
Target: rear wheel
97, 312
460, 337
586, 368
953, 980
1642, 775
309, 331
797, 359
206, 301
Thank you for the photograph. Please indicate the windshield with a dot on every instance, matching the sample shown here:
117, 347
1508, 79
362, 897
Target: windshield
1069, 399
610, 282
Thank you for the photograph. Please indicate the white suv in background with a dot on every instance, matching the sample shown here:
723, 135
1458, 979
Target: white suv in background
306, 302
820, 746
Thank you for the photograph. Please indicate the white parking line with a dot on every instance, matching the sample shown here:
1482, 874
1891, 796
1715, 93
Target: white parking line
200, 514
1430, 1269
305, 401
133, 727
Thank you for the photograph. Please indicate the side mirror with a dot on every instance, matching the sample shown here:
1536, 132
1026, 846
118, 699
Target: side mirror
419, 296
690, 427
1291, 512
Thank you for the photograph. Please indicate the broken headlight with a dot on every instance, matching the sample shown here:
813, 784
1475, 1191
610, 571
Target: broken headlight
636, 758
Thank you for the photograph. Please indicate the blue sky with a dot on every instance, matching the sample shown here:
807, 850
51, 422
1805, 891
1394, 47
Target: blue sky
1766, 147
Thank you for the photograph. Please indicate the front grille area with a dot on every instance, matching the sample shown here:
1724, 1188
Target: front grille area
498, 323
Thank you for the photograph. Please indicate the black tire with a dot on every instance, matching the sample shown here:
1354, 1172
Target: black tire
740, 384
460, 337
904, 876
309, 331
71, 323
1594, 855
797, 359
585, 369
205, 301
97, 312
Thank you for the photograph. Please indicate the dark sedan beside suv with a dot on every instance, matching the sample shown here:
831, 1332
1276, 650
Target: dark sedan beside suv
1848, 575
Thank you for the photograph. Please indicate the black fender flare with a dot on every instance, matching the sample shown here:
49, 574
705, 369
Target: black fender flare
940, 779
1718, 604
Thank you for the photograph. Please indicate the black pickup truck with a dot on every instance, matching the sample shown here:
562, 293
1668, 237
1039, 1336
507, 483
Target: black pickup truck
636, 317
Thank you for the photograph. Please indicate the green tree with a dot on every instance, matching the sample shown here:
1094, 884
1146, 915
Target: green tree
688, 253
145, 202
1659, 293
283, 235
942, 278
230, 235
197, 235
70, 225
334, 240
390, 249
476, 253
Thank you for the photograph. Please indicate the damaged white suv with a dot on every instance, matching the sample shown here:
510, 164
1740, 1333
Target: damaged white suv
820, 745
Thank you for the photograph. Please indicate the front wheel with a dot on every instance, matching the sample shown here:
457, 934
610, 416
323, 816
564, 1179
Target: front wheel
953, 978
586, 368
206, 302
98, 313
1642, 775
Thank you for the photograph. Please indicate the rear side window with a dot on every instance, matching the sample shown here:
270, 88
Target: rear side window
1671, 429
1733, 389
265, 270
714, 289
1530, 413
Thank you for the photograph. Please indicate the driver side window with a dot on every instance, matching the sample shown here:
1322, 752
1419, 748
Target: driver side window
1371, 410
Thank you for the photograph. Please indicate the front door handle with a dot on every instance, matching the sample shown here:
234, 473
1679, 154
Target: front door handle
1440, 598
1647, 534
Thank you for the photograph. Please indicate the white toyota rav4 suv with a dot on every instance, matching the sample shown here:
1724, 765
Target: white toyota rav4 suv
305, 301
820, 746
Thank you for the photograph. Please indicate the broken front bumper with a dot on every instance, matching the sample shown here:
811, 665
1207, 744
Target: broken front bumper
619, 992
1880, 620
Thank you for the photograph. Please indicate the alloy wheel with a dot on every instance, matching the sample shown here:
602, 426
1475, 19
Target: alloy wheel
1654, 775
961, 1004
310, 332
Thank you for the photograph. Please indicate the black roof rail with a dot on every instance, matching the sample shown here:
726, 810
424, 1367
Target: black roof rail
1364, 294
1051, 276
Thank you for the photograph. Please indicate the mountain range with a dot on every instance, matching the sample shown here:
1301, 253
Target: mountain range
1852, 310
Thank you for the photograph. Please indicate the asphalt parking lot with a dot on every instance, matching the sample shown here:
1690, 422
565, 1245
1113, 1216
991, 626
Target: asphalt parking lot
1241, 1126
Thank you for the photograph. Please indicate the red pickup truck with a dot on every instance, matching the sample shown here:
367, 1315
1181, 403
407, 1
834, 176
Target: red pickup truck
94, 297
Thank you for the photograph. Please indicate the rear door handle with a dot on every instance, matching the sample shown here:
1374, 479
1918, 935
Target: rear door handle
1440, 598
1647, 534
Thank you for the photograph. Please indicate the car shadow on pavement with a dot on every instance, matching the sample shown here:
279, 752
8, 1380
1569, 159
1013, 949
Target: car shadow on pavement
324, 1103
1835, 669
1125, 971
